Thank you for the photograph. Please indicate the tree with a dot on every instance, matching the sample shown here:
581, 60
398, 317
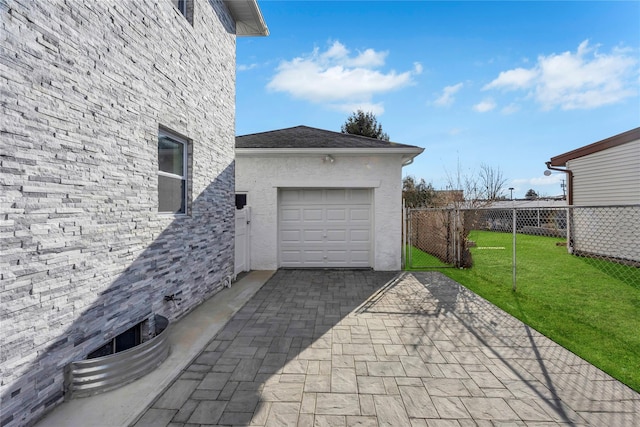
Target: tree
365, 124
417, 195
492, 182
479, 188
531, 194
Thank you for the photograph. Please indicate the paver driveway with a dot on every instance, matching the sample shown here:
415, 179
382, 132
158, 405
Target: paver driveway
364, 348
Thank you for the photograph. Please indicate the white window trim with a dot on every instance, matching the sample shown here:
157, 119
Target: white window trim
184, 177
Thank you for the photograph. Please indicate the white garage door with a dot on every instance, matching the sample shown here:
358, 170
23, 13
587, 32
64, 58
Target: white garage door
325, 227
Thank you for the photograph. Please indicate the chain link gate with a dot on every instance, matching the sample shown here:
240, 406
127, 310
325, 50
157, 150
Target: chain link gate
432, 238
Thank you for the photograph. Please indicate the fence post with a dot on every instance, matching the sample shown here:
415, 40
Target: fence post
513, 274
409, 259
570, 229
403, 240
456, 247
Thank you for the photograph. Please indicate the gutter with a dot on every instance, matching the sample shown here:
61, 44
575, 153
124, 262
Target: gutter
409, 153
330, 150
407, 161
569, 181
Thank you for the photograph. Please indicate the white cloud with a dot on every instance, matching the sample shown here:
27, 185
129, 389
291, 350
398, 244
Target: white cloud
485, 106
339, 79
513, 79
553, 179
583, 79
447, 98
243, 67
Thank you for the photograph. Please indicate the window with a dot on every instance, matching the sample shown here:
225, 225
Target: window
126, 340
181, 5
241, 200
185, 7
172, 173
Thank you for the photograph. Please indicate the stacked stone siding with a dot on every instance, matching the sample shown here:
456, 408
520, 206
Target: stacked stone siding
84, 255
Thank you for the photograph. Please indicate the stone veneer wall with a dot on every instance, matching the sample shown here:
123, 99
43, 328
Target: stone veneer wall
84, 256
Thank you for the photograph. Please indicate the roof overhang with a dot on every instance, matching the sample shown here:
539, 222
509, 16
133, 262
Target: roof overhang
248, 17
614, 141
407, 153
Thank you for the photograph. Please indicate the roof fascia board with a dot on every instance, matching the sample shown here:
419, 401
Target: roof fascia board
248, 17
614, 141
324, 151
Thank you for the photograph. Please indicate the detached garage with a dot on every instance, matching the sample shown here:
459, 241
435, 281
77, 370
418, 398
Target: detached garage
322, 199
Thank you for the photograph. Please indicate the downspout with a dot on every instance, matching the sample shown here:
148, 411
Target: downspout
569, 181
569, 202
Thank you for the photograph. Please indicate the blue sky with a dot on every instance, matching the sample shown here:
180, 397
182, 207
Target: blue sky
504, 84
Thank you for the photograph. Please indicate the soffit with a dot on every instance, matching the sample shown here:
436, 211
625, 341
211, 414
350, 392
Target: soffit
248, 17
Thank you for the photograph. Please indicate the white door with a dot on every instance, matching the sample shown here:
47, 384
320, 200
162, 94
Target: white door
325, 227
242, 251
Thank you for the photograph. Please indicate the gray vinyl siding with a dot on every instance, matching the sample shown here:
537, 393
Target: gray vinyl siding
606, 231
608, 177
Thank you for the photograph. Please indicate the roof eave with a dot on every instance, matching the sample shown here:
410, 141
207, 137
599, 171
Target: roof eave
614, 141
407, 151
248, 17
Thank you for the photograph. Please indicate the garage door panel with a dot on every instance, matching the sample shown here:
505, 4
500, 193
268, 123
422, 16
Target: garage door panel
290, 214
336, 235
336, 196
290, 236
315, 256
314, 196
360, 236
313, 236
360, 195
360, 256
359, 214
325, 228
290, 196
336, 214
337, 256
291, 257
312, 215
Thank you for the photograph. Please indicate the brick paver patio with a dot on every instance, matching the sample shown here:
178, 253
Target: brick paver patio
364, 348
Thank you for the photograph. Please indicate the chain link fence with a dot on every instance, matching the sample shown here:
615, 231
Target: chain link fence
603, 237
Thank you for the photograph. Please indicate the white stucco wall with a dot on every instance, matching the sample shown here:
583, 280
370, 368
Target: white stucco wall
260, 177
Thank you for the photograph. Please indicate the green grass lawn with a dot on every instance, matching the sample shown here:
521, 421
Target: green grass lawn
580, 304
423, 259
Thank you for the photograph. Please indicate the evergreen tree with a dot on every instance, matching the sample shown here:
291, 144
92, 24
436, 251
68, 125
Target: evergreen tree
417, 194
365, 124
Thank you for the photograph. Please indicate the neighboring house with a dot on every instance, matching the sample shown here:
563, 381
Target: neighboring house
606, 172
604, 186
322, 199
117, 174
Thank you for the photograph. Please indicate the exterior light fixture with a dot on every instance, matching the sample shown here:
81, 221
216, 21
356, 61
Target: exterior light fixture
329, 159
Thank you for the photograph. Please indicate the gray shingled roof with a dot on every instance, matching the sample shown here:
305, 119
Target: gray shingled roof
308, 137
